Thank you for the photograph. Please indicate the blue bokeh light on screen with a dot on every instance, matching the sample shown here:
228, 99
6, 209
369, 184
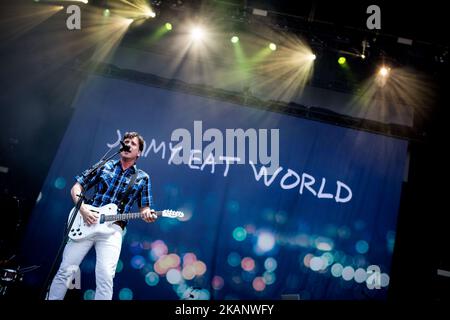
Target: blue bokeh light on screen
125, 294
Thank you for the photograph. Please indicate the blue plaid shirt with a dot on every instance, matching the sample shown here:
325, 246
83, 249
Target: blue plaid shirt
112, 181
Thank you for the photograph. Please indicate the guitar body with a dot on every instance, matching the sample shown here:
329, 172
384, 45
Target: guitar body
80, 230
107, 215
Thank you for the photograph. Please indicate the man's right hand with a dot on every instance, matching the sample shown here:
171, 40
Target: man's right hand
89, 217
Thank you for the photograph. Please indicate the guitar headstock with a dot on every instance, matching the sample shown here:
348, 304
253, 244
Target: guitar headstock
172, 214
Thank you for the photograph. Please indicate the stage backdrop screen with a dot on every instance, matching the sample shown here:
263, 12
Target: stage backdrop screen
309, 210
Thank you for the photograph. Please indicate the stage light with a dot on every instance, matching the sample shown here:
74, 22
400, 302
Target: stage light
106, 13
168, 26
342, 60
384, 71
150, 13
365, 45
235, 39
273, 46
312, 56
289, 70
197, 33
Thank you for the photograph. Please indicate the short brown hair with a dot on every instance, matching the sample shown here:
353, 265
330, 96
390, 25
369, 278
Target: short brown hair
131, 135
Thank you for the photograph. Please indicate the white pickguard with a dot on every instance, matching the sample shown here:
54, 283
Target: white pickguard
107, 215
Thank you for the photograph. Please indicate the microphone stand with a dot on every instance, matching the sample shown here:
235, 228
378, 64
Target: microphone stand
81, 197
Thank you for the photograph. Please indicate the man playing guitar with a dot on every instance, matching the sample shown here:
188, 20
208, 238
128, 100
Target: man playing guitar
112, 185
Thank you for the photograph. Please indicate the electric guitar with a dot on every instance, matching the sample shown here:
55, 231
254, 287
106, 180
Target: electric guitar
107, 215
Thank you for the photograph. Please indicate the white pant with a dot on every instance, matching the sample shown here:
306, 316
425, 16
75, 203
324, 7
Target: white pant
107, 249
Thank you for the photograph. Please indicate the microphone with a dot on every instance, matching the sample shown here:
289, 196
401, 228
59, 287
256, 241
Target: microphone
124, 147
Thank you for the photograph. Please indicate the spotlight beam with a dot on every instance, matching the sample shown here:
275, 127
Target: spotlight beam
131, 4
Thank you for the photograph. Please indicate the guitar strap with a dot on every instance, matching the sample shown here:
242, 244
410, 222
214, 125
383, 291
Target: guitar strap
124, 197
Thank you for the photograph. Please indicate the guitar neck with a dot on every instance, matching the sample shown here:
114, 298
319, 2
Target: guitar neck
127, 216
